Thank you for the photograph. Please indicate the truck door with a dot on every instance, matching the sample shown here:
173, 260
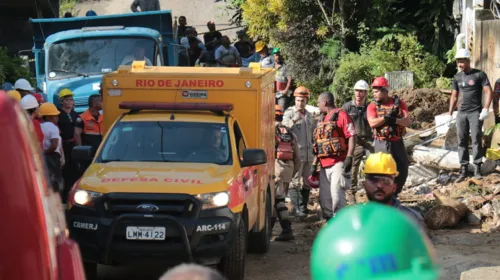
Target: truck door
250, 180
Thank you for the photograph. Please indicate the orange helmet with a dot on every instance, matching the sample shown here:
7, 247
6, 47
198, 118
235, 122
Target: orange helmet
278, 110
302, 92
380, 82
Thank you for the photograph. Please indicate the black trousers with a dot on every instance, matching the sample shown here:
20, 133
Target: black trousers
398, 151
469, 121
53, 162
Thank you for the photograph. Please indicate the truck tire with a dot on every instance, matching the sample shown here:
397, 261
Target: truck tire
90, 270
258, 242
232, 265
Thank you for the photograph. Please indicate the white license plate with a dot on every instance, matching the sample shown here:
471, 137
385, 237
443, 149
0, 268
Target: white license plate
146, 233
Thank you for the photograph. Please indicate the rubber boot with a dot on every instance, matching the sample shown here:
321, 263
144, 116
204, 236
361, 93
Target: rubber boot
287, 232
305, 200
477, 171
295, 202
463, 174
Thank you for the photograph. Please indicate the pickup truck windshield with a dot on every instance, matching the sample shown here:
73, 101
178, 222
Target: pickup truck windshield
81, 57
167, 142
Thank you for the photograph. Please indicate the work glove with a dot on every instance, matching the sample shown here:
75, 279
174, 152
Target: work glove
390, 120
483, 115
348, 165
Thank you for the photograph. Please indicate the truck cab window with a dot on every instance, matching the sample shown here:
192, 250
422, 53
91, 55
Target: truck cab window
240, 143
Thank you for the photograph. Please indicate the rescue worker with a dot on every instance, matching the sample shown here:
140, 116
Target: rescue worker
373, 241
380, 171
266, 59
14, 94
389, 117
495, 101
66, 124
301, 123
89, 124
29, 103
23, 86
356, 109
283, 80
334, 142
468, 87
52, 146
286, 165
145, 5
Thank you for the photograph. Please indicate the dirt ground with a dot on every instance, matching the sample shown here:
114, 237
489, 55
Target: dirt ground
423, 104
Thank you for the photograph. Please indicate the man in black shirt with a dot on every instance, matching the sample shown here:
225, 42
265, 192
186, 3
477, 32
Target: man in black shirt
196, 54
356, 108
468, 87
212, 38
66, 124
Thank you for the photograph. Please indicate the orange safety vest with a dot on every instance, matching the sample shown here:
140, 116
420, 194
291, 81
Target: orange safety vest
92, 129
385, 131
329, 142
284, 149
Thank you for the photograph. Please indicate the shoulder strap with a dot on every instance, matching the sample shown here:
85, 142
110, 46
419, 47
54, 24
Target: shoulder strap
335, 115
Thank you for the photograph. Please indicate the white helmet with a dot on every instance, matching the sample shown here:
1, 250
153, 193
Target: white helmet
361, 85
23, 84
462, 53
29, 102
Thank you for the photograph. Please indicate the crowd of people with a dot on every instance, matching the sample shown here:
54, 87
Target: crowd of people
59, 129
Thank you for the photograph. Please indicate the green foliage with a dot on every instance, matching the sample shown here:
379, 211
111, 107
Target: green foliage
11, 68
450, 55
490, 130
443, 83
397, 53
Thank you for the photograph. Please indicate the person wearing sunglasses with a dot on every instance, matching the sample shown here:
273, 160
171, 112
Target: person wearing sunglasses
380, 172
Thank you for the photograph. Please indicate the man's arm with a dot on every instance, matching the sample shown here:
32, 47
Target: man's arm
287, 119
134, 6
487, 91
406, 119
296, 154
371, 114
78, 131
453, 98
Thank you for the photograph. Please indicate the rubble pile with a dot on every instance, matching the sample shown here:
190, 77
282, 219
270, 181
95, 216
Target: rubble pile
423, 104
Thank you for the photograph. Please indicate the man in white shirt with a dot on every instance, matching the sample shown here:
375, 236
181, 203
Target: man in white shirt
52, 144
139, 55
227, 55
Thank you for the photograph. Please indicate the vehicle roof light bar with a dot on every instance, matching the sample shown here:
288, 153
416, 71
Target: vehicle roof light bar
214, 107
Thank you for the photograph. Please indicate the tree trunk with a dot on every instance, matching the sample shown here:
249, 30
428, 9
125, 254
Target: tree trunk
446, 214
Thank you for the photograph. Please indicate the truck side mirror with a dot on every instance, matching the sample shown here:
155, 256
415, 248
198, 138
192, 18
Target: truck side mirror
82, 156
253, 157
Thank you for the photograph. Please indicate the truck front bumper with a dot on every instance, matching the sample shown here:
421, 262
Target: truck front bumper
203, 236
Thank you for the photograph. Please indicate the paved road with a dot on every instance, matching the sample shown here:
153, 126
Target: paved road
197, 12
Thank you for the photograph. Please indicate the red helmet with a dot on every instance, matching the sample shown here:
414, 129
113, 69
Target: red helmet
380, 82
38, 97
313, 181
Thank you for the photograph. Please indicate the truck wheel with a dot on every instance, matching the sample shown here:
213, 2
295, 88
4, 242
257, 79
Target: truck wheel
232, 264
258, 242
90, 270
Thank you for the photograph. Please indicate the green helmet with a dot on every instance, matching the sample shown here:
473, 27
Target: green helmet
276, 50
372, 241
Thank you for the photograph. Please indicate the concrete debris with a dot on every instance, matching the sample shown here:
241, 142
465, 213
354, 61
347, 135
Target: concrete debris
419, 174
481, 273
422, 189
487, 210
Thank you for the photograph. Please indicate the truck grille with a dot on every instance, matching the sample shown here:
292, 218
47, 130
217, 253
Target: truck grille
182, 206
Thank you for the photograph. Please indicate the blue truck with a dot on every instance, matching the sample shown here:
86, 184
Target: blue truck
76, 52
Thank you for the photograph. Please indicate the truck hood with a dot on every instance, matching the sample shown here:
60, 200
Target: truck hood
157, 177
82, 87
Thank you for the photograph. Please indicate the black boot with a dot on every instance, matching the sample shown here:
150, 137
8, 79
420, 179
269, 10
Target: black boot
463, 174
305, 200
287, 232
477, 171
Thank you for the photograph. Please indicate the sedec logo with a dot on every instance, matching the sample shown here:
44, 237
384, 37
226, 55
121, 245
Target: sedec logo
147, 208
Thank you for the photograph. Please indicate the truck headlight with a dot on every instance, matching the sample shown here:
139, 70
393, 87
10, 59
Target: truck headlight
85, 198
214, 200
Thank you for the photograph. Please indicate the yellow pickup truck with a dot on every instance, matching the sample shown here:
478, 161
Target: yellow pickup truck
184, 172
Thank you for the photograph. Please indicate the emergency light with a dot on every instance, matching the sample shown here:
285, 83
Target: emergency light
195, 106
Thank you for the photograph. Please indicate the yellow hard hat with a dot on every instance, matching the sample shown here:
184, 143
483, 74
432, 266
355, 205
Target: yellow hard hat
381, 163
259, 46
65, 92
48, 109
14, 94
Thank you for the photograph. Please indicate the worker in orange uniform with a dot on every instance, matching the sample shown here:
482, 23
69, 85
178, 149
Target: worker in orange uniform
30, 104
388, 117
88, 131
334, 142
286, 165
67, 125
